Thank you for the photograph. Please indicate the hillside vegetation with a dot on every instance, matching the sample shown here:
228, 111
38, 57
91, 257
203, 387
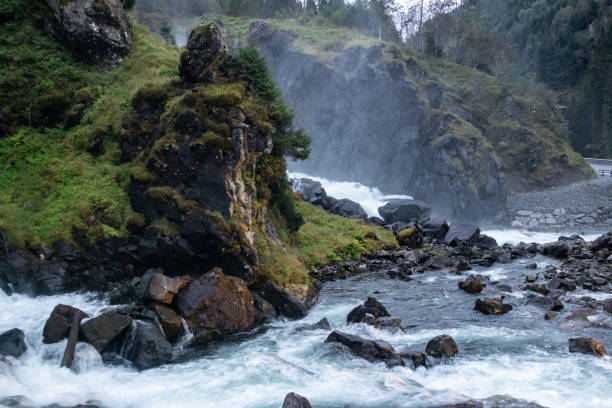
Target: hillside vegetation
63, 161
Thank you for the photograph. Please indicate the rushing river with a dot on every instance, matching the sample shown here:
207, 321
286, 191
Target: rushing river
517, 354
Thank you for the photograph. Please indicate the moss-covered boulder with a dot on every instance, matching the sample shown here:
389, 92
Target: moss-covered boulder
98, 30
205, 52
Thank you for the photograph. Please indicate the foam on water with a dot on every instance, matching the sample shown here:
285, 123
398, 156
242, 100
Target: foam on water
368, 197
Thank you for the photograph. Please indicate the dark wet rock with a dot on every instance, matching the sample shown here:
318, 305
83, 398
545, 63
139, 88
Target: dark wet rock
371, 350
312, 191
559, 249
506, 401
170, 322
284, 302
102, 330
400, 273
461, 265
474, 283
416, 358
534, 287
293, 400
607, 305
161, 288
322, 324
442, 346
532, 266
487, 242
461, 232
466, 404
388, 322
98, 30
217, 302
205, 52
265, 308
347, 208
145, 346
492, 306
376, 221
58, 324
371, 307
585, 345
411, 237
435, 228
405, 210
12, 343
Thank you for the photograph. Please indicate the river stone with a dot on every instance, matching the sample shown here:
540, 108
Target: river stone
442, 346
370, 307
312, 191
322, 324
170, 322
103, 329
371, 350
474, 283
162, 288
347, 208
607, 306
205, 51
12, 343
284, 302
293, 400
435, 228
461, 232
405, 210
411, 237
492, 306
58, 324
217, 302
417, 358
467, 404
145, 346
98, 30
586, 345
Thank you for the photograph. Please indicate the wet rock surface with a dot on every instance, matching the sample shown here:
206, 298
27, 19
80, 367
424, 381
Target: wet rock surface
12, 343
371, 350
293, 400
586, 345
98, 30
492, 306
57, 327
442, 346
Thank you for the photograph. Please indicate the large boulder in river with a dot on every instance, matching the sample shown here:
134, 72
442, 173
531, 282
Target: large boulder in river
58, 324
346, 208
492, 306
312, 191
293, 400
371, 350
157, 287
98, 30
102, 330
284, 302
474, 283
371, 310
435, 228
170, 322
12, 343
205, 52
586, 345
217, 305
411, 237
461, 232
405, 210
145, 346
442, 346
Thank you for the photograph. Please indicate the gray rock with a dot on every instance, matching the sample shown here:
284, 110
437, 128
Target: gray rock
58, 324
347, 208
585, 345
103, 329
442, 346
371, 350
12, 343
524, 213
98, 30
405, 210
293, 400
205, 52
461, 232
145, 346
312, 191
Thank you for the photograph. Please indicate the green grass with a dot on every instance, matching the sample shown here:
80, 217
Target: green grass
49, 183
323, 238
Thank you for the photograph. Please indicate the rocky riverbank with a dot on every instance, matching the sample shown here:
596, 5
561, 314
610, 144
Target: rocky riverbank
586, 204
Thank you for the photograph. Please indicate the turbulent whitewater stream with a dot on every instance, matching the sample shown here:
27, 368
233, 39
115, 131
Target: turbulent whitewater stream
518, 354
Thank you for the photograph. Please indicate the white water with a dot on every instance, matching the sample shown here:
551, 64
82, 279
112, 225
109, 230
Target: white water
514, 236
370, 198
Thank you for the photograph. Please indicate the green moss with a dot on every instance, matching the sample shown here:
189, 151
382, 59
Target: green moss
166, 227
224, 94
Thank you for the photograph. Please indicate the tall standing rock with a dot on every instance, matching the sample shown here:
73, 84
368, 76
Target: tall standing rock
58, 325
205, 52
98, 30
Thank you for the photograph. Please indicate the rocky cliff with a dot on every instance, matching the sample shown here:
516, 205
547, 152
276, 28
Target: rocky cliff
382, 116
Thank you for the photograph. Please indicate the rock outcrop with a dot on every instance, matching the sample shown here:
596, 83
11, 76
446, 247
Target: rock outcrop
405, 210
293, 400
97, 30
205, 52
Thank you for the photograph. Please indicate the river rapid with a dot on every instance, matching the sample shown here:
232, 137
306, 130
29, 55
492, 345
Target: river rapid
517, 355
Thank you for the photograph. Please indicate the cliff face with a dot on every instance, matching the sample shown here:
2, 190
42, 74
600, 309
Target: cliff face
386, 119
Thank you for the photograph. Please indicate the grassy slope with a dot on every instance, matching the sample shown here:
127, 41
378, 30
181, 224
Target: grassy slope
48, 181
